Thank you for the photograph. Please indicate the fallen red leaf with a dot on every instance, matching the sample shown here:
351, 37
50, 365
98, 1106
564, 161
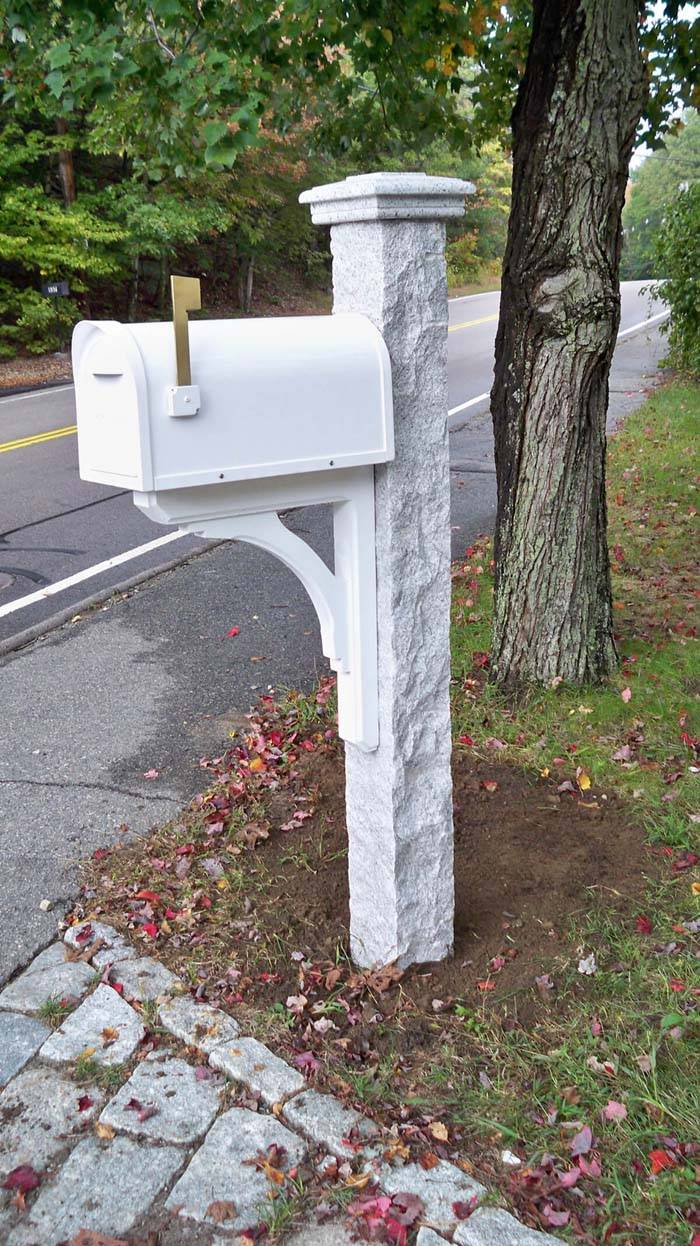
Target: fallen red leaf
644, 925
84, 1103
233, 631
23, 1178
660, 1160
464, 1210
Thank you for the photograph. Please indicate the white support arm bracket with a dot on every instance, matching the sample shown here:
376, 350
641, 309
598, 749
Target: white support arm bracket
345, 600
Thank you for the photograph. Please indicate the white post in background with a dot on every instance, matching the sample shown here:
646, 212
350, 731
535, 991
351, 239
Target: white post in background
388, 246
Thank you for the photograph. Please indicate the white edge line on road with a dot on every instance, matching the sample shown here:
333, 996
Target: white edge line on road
471, 402
36, 393
624, 333
462, 298
61, 585
643, 324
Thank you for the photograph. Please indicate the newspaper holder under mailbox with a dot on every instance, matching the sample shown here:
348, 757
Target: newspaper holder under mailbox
277, 413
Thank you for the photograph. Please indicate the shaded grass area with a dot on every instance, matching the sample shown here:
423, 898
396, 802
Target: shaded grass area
593, 1087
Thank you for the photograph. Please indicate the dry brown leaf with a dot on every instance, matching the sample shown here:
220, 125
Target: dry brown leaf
220, 1210
428, 1160
358, 1180
104, 1131
439, 1131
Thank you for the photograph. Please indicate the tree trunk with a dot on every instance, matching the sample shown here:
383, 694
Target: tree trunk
66, 168
573, 127
249, 285
134, 285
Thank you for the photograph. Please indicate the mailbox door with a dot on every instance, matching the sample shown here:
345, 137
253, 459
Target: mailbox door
111, 407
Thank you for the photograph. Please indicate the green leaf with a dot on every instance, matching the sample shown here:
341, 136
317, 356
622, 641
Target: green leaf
55, 82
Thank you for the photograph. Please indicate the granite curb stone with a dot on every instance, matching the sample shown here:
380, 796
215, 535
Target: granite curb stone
84, 1031
261, 1072
184, 1107
50, 976
331, 1234
109, 1187
113, 947
145, 979
41, 1113
492, 1226
438, 1188
221, 1170
197, 1025
102, 1187
20, 1039
323, 1119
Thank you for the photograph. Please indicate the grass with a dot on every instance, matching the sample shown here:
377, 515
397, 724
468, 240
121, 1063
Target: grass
652, 526
54, 1011
109, 1077
640, 1014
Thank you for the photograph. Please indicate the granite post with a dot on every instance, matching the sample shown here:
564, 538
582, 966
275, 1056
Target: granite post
388, 246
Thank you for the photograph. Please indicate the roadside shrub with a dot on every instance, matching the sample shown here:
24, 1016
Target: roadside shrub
678, 260
463, 263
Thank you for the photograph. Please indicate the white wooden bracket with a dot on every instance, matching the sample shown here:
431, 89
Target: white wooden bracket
345, 599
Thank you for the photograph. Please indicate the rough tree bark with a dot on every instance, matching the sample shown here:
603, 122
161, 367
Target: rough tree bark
573, 127
66, 167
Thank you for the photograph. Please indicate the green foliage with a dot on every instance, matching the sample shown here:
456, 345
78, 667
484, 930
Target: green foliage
653, 185
678, 259
463, 262
187, 131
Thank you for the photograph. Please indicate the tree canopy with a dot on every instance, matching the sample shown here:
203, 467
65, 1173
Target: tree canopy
654, 184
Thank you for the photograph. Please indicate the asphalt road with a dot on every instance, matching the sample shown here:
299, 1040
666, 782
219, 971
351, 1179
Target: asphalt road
54, 525
150, 681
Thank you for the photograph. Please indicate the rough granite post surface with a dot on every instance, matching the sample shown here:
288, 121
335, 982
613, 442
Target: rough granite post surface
388, 246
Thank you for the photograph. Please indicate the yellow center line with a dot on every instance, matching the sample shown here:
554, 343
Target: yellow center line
467, 324
20, 442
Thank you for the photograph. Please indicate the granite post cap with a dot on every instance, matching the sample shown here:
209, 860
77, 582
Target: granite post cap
387, 197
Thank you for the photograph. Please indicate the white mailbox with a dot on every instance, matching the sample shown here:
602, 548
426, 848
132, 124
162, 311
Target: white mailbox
272, 397
247, 418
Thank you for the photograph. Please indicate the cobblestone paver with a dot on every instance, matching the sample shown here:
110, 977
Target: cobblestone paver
102, 1185
222, 1174
50, 976
166, 1147
41, 1114
491, 1226
104, 1028
198, 1025
262, 1073
144, 979
107, 945
439, 1188
20, 1038
323, 1120
428, 1237
163, 1100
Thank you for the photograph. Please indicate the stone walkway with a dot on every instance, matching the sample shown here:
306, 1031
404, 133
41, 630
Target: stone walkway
199, 1139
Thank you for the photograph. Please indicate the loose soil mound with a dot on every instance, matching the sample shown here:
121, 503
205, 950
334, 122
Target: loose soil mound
527, 860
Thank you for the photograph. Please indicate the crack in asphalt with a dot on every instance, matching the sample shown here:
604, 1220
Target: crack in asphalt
97, 787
